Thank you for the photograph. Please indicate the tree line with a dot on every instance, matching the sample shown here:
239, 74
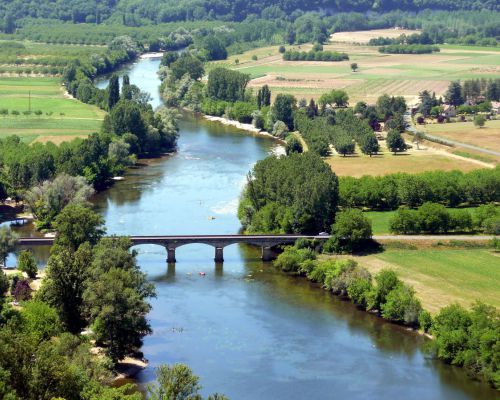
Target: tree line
466, 338
436, 218
132, 12
448, 188
321, 55
409, 49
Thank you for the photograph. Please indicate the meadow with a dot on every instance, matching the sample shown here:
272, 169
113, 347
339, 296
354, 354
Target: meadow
396, 74
62, 118
442, 276
487, 137
427, 158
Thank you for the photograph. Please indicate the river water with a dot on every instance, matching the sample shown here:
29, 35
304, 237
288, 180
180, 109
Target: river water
247, 330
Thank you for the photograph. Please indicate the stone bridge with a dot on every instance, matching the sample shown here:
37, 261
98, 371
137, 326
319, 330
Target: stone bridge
266, 242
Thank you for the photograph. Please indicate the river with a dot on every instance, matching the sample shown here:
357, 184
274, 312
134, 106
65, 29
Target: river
249, 331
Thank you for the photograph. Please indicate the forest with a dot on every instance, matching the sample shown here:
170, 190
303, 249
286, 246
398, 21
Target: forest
132, 12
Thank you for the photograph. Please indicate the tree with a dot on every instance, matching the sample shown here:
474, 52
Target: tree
77, 224
227, 85
213, 49
282, 49
369, 145
116, 298
187, 64
126, 88
26, 263
354, 67
401, 305
453, 95
395, 142
4, 285
280, 130
339, 98
64, 284
385, 281
47, 200
263, 97
8, 242
350, 231
479, 120
283, 109
113, 91
175, 382
293, 145
433, 218
40, 320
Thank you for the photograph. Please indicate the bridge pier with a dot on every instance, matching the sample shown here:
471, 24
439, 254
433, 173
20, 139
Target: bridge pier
219, 254
267, 253
171, 255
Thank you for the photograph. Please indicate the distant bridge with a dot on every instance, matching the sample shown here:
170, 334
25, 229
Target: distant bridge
266, 242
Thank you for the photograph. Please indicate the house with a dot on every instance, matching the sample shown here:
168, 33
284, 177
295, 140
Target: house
495, 107
449, 111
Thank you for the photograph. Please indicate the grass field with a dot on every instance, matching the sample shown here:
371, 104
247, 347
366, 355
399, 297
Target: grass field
62, 118
443, 276
396, 74
487, 137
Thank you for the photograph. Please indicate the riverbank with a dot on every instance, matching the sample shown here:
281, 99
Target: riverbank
242, 126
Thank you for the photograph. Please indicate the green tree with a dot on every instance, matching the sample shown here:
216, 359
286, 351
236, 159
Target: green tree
8, 243
263, 97
283, 108
479, 120
113, 91
187, 64
26, 263
401, 305
47, 200
64, 284
369, 145
350, 231
227, 85
354, 67
77, 224
116, 298
175, 382
40, 320
395, 142
385, 281
453, 95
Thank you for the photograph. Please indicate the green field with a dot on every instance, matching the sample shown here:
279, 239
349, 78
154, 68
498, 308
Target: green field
396, 74
441, 277
62, 118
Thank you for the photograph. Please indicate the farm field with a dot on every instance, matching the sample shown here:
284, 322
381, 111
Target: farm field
487, 137
364, 37
443, 276
397, 74
62, 118
412, 161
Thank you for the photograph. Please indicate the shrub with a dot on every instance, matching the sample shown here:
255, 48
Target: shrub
292, 258
27, 263
358, 291
22, 291
401, 305
385, 281
425, 320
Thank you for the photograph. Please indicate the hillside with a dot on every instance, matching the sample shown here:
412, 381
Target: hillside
132, 12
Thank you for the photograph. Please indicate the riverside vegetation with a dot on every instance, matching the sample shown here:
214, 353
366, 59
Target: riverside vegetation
90, 282
132, 129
